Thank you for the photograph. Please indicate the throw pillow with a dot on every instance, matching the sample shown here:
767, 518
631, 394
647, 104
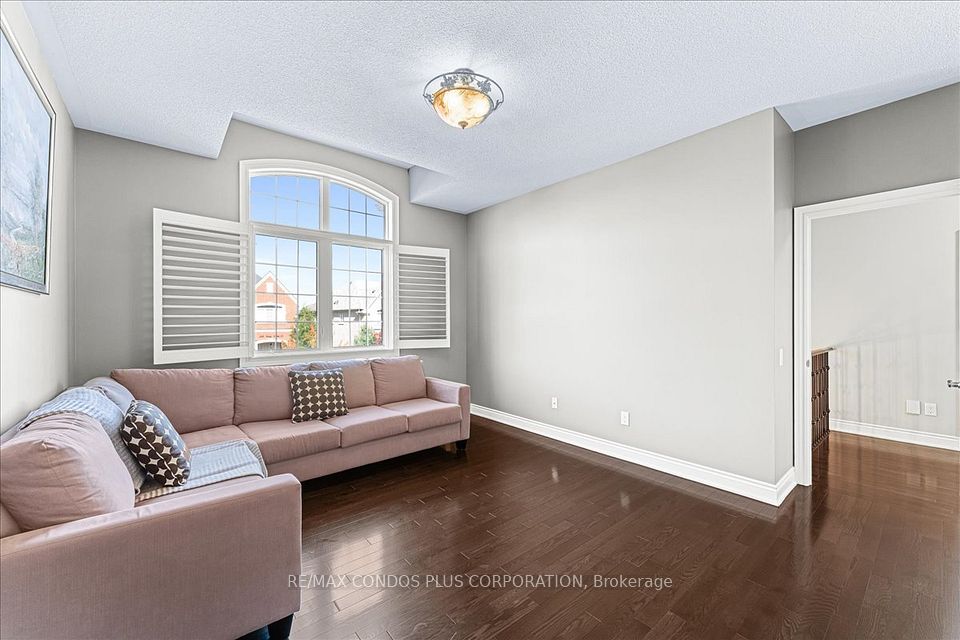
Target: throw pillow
317, 395
155, 444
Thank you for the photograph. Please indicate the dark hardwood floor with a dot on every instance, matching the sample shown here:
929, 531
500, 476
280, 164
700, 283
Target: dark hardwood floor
872, 550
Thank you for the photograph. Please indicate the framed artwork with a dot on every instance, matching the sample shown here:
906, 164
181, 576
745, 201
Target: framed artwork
27, 125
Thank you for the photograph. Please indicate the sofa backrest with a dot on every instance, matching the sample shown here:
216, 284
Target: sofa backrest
357, 380
193, 399
262, 393
196, 399
398, 379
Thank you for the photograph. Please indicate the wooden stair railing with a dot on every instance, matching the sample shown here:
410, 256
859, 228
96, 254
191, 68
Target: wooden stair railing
820, 370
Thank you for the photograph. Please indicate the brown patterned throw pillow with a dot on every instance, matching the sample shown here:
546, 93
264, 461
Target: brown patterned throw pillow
155, 444
317, 395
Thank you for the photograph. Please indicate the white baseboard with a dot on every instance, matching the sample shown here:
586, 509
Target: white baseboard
785, 485
923, 438
766, 492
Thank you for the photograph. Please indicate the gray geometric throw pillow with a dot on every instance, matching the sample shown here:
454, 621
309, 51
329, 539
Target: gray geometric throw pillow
155, 444
317, 395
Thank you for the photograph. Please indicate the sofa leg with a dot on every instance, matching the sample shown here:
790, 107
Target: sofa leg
461, 445
280, 630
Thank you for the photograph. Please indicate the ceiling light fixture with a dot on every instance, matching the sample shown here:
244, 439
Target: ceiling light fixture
463, 98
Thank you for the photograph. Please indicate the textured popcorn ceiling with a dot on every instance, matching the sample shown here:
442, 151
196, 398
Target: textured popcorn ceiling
587, 84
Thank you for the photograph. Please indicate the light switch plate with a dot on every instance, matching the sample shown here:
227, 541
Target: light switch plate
625, 418
913, 407
930, 409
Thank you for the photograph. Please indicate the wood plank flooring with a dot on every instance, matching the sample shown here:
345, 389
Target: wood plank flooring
872, 550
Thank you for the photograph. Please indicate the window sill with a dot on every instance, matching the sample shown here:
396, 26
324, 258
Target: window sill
310, 356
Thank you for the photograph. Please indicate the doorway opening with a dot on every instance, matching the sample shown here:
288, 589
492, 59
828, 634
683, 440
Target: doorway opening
893, 340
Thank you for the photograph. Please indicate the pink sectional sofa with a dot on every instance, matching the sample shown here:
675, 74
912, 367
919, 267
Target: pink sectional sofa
394, 410
215, 561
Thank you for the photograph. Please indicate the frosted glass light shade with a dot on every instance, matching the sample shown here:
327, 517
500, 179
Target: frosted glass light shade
462, 98
462, 107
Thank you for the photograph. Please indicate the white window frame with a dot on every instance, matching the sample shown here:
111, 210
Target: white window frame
325, 239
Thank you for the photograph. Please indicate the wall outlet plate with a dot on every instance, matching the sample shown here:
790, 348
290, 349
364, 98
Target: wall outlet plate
553, 402
625, 418
913, 407
930, 409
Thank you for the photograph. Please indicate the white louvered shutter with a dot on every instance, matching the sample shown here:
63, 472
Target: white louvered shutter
199, 288
424, 292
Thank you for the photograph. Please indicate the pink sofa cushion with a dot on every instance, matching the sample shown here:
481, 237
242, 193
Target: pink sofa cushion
204, 437
261, 393
364, 424
192, 399
424, 413
357, 380
398, 379
8, 526
62, 468
284, 440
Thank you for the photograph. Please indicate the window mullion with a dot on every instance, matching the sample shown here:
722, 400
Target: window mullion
281, 231
325, 204
325, 293
324, 270
387, 293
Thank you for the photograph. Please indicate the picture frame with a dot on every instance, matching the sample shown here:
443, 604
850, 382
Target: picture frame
26, 170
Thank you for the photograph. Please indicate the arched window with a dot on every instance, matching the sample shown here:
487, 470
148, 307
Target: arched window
323, 246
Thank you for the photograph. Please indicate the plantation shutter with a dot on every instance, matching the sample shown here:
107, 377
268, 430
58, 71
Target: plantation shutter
424, 293
199, 288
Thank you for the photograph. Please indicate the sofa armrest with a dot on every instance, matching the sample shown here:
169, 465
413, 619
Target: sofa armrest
454, 393
213, 565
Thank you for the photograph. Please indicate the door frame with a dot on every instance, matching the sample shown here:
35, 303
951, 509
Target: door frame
803, 218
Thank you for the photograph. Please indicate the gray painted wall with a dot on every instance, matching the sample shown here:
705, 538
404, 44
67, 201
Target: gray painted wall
35, 330
783, 195
119, 182
885, 297
903, 144
648, 286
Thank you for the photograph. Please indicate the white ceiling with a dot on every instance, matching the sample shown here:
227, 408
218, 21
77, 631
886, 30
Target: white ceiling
586, 83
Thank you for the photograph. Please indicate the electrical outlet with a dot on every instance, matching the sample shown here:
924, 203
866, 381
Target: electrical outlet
625, 418
930, 409
913, 407
553, 402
